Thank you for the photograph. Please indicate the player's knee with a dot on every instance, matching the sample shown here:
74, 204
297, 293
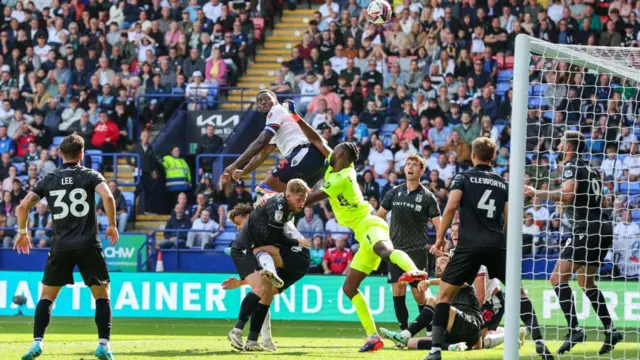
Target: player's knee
349, 290
554, 279
382, 249
431, 301
398, 289
100, 291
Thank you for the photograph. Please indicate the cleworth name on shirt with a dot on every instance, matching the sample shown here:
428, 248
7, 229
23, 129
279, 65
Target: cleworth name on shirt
488, 181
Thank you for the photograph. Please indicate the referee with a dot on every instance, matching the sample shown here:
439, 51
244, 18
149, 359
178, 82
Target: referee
411, 206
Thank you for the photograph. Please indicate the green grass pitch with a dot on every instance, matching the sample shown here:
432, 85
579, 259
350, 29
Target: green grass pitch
75, 338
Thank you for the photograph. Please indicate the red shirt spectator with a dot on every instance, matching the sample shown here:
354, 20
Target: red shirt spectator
337, 260
105, 133
405, 131
23, 137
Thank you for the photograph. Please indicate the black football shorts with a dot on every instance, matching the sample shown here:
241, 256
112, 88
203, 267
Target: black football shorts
90, 261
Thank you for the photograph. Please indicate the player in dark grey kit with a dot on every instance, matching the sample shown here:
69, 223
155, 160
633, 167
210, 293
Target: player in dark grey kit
255, 250
70, 192
584, 251
411, 206
482, 197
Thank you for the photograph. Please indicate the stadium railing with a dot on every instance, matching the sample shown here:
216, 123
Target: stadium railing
218, 165
96, 157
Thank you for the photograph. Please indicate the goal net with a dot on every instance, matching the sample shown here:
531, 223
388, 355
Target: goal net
593, 90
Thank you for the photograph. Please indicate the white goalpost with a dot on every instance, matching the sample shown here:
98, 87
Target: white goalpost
594, 90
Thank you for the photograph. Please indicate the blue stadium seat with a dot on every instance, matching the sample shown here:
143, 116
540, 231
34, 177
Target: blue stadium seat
499, 128
537, 102
635, 215
549, 115
96, 158
130, 198
502, 88
19, 167
627, 188
57, 140
382, 182
505, 76
502, 122
388, 129
23, 178
538, 89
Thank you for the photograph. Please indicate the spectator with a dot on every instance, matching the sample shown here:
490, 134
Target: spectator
539, 212
6, 143
631, 165
174, 234
625, 246
105, 134
310, 223
611, 166
331, 98
317, 252
40, 220
406, 149
337, 260
202, 231
209, 143
381, 160
358, 130
530, 231
438, 135
239, 196
121, 208
7, 235
7, 182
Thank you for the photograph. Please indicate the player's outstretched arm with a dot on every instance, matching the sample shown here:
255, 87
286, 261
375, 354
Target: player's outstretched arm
23, 241
315, 196
109, 204
254, 149
255, 162
314, 138
565, 193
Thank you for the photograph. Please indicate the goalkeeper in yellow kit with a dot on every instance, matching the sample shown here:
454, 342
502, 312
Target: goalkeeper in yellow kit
351, 210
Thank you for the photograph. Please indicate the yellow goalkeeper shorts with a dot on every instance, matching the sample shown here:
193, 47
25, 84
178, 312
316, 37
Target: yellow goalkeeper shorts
368, 232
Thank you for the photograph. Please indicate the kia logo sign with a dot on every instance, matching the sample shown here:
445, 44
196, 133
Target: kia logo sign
218, 120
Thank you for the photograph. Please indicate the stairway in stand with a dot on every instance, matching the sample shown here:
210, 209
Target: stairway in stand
277, 48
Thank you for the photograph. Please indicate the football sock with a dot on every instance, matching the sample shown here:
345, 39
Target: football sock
492, 340
422, 321
440, 321
403, 260
425, 344
257, 319
529, 318
103, 320
42, 318
402, 313
420, 308
265, 332
246, 308
266, 261
599, 305
362, 309
567, 303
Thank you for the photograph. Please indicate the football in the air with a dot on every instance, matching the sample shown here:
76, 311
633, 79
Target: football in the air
379, 11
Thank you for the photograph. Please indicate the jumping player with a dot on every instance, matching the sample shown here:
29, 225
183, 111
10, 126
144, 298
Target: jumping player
582, 254
254, 248
303, 161
350, 208
70, 189
482, 196
411, 206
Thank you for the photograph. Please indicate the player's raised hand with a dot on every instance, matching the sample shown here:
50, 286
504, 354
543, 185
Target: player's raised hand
22, 244
304, 243
231, 283
290, 106
237, 174
226, 173
111, 235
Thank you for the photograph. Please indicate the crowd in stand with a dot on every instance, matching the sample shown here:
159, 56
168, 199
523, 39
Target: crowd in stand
428, 82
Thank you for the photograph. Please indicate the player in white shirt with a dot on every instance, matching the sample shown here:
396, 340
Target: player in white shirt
631, 163
626, 246
302, 160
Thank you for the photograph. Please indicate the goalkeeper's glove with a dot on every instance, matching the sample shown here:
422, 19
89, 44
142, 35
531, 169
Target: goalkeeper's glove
291, 108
